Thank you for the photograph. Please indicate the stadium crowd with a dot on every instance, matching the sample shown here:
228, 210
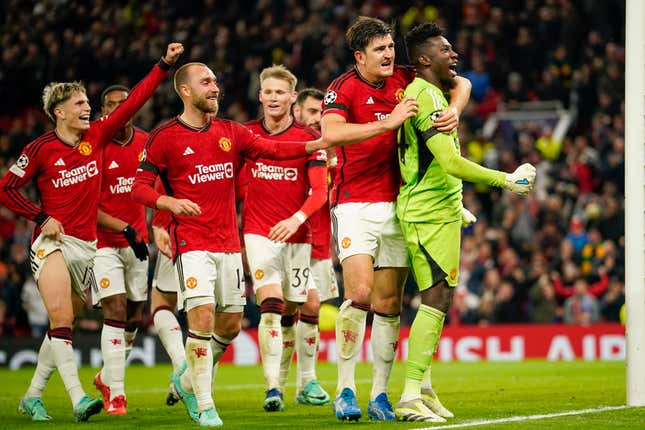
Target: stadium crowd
556, 256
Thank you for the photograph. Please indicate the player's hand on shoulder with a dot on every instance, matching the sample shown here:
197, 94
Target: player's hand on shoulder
448, 120
53, 228
173, 52
407, 108
521, 181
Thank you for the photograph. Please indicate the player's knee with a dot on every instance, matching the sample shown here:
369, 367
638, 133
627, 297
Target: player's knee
312, 305
310, 308
358, 293
231, 330
438, 297
291, 308
201, 317
113, 308
390, 305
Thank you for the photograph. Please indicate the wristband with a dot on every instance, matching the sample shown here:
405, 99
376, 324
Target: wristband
300, 216
41, 218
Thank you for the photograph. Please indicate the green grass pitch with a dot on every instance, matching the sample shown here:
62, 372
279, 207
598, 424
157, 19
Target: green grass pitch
473, 391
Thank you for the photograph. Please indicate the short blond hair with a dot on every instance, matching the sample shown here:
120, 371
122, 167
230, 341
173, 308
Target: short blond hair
278, 71
181, 75
56, 93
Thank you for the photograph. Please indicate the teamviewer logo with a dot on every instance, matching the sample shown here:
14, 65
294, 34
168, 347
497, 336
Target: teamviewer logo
290, 174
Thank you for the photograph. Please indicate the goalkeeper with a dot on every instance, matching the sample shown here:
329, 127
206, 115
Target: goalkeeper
430, 209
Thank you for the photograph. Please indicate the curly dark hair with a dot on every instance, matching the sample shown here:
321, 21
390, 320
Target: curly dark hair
416, 38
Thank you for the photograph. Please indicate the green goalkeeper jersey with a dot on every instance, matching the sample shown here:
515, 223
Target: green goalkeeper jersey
431, 163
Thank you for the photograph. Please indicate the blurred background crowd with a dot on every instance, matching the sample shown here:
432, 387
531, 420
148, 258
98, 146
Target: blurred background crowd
556, 256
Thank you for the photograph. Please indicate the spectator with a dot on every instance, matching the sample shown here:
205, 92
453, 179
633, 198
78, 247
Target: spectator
581, 307
543, 303
548, 145
613, 300
33, 304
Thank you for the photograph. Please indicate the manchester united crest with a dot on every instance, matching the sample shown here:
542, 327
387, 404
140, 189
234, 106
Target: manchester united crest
225, 144
191, 282
85, 148
398, 95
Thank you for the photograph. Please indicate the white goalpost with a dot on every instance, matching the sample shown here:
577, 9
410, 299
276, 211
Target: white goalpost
635, 201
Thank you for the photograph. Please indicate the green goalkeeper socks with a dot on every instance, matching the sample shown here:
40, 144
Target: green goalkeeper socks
422, 344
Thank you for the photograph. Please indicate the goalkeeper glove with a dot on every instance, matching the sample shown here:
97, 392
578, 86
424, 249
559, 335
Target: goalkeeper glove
467, 217
521, 180
136, 242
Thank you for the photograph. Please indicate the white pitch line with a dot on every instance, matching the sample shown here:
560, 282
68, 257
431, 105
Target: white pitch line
525, 418
237, 387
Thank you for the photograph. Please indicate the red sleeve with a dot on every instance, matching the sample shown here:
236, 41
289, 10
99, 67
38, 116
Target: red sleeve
336, 101
317, 174
560, 289
254, 147
143, 189
160, 218
18, 175
599, 287
113, 123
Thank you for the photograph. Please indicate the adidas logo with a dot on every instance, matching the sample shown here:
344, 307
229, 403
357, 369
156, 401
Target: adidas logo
59, 162
113, 165
188, 151
370, 101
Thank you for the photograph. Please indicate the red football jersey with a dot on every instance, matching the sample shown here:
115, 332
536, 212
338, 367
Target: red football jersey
201, 165
120, 162
277, 189
368, 171
68, 177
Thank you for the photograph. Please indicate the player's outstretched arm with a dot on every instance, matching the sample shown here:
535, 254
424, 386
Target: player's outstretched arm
521, 181
459, 95
141, 92
336, 131
443, 148
254, 146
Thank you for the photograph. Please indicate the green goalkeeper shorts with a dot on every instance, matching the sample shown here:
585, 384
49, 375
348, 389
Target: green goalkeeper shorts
433, 251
